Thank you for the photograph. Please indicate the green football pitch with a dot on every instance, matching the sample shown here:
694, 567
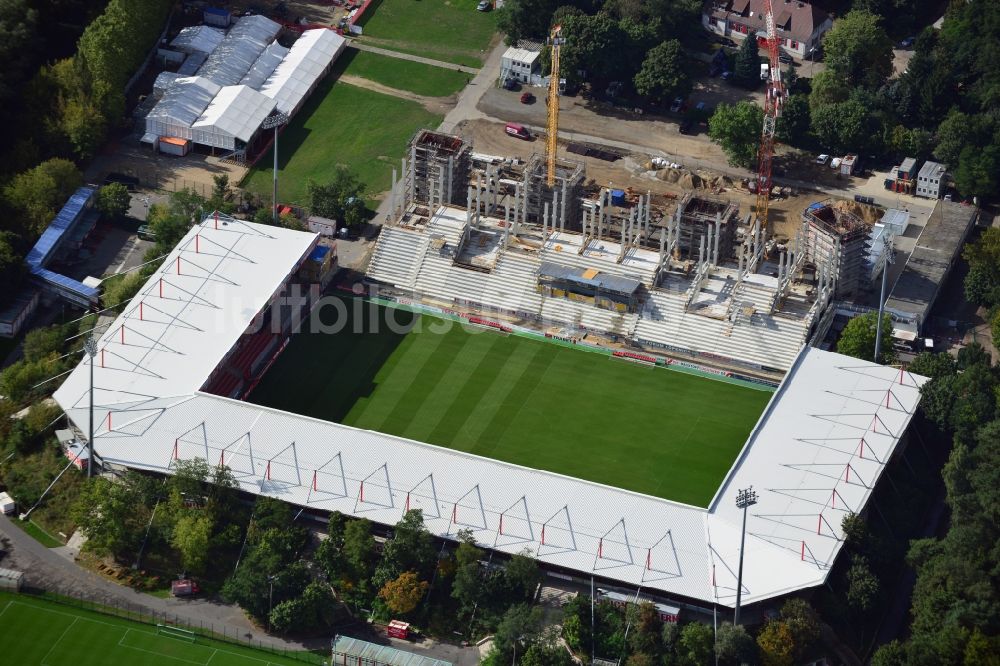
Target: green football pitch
35, 632
530, 402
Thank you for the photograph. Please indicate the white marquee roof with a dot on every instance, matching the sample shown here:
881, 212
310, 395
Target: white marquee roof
198, 39
264, 66
237, 111
306, 62
815, 453
236, 54
185, 100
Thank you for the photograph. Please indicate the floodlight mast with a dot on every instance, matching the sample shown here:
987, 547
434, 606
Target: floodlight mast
744, 500
274, 122
90, 348
887, 251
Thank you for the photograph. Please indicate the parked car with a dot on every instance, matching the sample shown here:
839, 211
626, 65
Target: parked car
145, 233
908, 42
835, 163
676, 106
527, 98
726, 75
784, 58
511, 84
822, 159
686, 127
484, 6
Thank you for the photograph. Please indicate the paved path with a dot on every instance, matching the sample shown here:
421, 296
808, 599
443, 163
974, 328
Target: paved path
433, 104
360, 46
54, 570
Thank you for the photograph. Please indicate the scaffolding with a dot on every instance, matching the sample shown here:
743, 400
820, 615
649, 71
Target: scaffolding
699, 217
839, 239
437, 171
563, 197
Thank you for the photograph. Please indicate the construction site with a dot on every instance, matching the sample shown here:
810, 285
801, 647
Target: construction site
694, 278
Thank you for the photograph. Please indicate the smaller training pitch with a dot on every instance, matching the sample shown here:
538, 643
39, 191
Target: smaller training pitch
524, 401
34, 632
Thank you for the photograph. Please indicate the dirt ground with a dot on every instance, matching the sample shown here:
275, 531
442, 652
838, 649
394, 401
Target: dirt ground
630, 171
438, 105
158, 171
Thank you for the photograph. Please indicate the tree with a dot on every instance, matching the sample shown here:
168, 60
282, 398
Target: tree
746, 69
39, 193
113, 200
848, 126
803, 623
663, 74
932, 365
121, 288
977, 170
305, 613
858, 50
191, 538
648, 628
520, 627
696, 644
359, 550
17, 40
411, 548
41, 343
736, 128
733, 645
776, 644
113, 515
468, 586
862, 585
794, 126
521, 576
858, 338
828, 88
342, 198
12, 266
404, 593
892, 653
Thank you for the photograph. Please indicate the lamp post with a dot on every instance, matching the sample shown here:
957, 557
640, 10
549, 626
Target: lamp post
744, 499
887, 252
274, 122
90, 348
270, 600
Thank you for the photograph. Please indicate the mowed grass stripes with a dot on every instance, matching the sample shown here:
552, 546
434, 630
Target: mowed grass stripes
35, 632
528, 402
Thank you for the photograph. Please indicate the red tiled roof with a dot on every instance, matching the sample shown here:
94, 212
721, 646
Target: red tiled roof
795, 19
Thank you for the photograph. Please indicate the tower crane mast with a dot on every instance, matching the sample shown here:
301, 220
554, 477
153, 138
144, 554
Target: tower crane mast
552, 127
775, 95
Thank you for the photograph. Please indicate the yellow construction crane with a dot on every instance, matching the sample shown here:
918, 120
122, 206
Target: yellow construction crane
555, 41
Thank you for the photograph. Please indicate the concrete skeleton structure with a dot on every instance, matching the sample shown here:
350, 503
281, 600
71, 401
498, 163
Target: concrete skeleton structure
815, 455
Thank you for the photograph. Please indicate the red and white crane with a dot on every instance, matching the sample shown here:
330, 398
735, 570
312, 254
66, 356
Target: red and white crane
774, 100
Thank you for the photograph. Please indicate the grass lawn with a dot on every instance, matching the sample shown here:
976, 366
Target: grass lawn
448, 30
524, 401
38, 534
341, 124
36, 632
403, 74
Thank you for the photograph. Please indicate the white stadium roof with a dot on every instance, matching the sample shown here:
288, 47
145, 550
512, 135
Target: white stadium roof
237, 111
815, 454
306, 63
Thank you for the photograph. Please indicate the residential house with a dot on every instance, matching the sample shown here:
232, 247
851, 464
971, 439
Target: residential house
799, 25
931, 180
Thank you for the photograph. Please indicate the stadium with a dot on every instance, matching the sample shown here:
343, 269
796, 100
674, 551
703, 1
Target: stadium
495, 377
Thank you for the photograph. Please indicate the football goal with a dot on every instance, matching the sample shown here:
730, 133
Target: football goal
176, 632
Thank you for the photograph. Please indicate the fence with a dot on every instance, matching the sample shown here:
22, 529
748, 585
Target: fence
115, 607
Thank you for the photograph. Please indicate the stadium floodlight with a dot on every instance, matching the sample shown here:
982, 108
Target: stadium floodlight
90, 348
275, 122
744, 499
887, 253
